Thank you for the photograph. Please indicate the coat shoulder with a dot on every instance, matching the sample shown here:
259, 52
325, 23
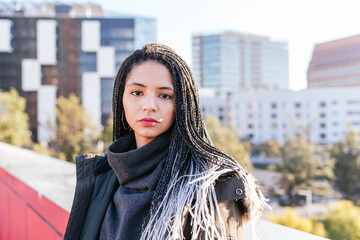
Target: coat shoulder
229, 187
231, 194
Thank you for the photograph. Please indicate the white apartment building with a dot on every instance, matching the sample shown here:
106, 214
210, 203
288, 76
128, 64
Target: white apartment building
260, 115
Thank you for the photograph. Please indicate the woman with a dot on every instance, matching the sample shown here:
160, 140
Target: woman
161, 178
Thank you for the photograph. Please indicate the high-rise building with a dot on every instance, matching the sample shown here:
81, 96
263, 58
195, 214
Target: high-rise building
231, 61
335, 63
48, 50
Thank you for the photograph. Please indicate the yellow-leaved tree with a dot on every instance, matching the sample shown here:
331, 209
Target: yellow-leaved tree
75, 131
291, 219
227, 140
343, 222
14, 121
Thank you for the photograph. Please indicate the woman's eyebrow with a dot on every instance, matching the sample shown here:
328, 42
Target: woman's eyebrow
166, 88
136, 84
142, 85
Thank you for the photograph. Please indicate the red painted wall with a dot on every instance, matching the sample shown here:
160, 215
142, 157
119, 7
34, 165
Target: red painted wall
24, 214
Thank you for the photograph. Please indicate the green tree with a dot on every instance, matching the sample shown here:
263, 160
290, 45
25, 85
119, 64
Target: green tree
227, 140
74, 130
302, 169
291, 219
347, 166
14, 126
270, 148
343, 222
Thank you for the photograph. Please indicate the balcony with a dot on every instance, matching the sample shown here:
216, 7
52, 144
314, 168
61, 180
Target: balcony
36, 194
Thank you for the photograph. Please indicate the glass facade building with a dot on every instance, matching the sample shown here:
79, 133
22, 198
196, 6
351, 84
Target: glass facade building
67, 51
231, 61
335, 63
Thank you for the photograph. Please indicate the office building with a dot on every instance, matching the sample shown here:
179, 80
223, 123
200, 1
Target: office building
231, 61
335, 63
48, 50
323, 113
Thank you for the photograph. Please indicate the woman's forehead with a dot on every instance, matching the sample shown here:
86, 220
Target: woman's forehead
150, 73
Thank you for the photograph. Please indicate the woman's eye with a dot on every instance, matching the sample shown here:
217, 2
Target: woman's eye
136, 93
166, 96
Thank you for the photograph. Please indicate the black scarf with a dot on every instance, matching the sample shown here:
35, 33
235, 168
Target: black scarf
138, 172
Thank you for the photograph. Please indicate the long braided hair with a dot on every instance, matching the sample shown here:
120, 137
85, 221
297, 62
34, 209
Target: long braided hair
193, 163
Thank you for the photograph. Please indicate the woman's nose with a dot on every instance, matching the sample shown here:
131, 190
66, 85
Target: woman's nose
149, 103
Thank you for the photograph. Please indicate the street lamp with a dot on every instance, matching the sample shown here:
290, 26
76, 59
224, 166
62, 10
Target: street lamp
308, 196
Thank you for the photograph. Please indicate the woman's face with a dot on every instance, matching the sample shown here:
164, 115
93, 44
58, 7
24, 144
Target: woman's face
148, 101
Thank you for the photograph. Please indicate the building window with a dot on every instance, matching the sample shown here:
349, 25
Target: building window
251, 136
273, 115
334, 102
322, 115
122, 33
298, 115
354, 102
284, 125
297, 105
250, 126
322, 125
322, 104
335, 123
353, 112
273, 105
203, 109
274, 125
323, 135
221, 118
250, 106
250, 116
220, 109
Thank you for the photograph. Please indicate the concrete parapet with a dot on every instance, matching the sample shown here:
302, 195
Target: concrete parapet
36, 194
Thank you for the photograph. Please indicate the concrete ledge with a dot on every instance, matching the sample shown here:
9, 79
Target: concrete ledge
36, 193
51, 177
266, 230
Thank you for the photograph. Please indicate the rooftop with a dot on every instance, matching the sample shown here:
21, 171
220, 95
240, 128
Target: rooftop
46, 9
55, 180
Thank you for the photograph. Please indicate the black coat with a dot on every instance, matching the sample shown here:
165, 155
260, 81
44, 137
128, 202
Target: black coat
93, 194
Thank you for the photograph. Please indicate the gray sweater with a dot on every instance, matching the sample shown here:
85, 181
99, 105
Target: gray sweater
138, 172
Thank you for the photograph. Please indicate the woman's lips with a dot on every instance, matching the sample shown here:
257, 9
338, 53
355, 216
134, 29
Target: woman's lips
148, 121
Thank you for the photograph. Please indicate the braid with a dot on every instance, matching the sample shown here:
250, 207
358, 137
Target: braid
191, 152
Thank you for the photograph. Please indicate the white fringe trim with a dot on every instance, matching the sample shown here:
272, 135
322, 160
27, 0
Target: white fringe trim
197, 193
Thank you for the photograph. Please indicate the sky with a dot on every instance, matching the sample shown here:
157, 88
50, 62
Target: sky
301, 23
